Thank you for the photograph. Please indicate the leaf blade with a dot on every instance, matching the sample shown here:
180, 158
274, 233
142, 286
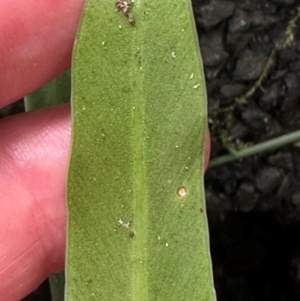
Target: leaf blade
146, 123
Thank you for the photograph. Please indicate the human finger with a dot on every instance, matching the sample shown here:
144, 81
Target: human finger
34, 151
37, 39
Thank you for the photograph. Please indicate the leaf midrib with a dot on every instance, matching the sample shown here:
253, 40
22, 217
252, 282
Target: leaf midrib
139, 255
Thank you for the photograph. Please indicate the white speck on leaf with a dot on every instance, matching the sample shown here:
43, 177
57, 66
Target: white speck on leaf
181, 192
192, 75
167, 244
173, 55
196, 86
124, 224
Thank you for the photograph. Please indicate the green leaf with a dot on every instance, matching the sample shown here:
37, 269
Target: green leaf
54, 93
57, 283
137, 225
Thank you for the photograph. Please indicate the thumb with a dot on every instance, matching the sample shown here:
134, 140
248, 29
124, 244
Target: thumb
34, 151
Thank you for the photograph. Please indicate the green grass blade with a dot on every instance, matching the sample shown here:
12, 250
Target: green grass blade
57, 286
137, 225
56, 92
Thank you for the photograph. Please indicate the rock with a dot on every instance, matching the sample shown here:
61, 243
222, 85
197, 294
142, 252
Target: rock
232, 90
282, 159
259, 19
212, 49
278, 74
270, 97
250, 65
292, 81
294, 66
246, 169
268, 180
255, 117
238, 41
290, 103
277, 34
216, 206
284, 190
273, 128
213, 13
270, 8
241, 21
286, 56
246, 198
214, 104
239, 131
248, 5
224, 175
212, 72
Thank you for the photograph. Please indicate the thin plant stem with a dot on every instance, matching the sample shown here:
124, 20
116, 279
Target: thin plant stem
257, 148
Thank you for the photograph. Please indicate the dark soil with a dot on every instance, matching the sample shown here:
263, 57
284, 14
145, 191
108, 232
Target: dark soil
253, 204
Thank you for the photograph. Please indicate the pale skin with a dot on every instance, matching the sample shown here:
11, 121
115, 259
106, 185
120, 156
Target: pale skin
36, 39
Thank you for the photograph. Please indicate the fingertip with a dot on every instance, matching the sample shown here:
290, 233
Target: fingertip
207, 146
34, 152
38, 38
